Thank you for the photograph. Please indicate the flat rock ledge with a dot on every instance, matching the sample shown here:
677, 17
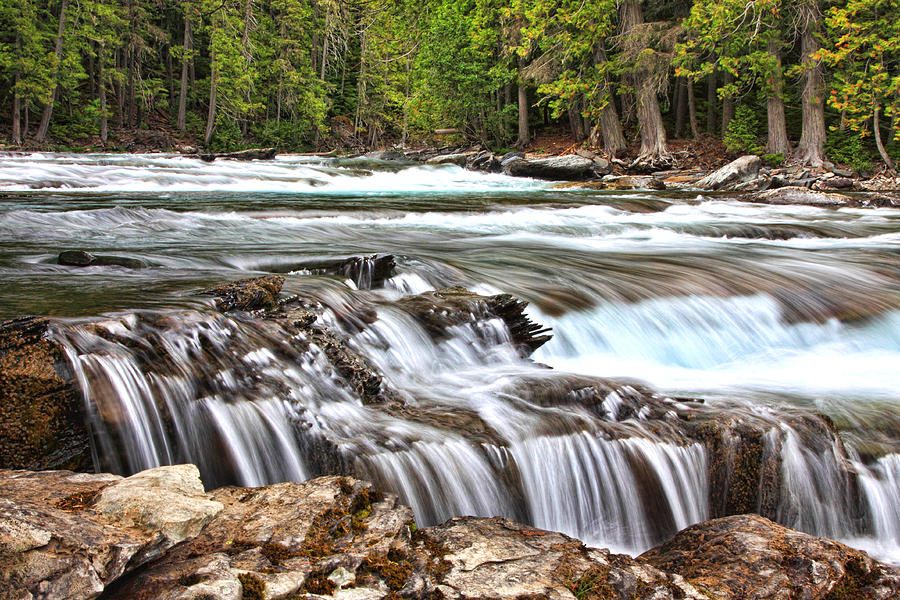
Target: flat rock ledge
159, 535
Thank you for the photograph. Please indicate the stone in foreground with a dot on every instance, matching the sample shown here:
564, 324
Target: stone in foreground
738, 171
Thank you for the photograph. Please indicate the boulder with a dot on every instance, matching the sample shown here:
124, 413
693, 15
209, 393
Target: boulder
748, 557
386, 155
441, 309
366, 272
801, 195
738, 171
485, 162
559, 168
68, 535
458, 159
259, 293
252, 154
41, 418
80, 258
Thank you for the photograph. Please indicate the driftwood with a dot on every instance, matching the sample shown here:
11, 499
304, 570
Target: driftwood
252, 154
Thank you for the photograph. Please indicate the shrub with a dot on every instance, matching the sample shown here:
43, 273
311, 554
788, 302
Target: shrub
773, 160
742, 134
847, 147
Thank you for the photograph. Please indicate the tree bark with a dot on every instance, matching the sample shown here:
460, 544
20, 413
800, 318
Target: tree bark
610, 125
711, 103
16, 133
524, 137
186, 48
576, 124
211, 114
101, 85
680, 106
811, 150
727, 105
777, 142
44, 127
692, 109
650, 122
876, 130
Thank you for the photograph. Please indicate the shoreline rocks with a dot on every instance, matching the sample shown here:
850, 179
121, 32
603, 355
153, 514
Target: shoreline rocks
338, 537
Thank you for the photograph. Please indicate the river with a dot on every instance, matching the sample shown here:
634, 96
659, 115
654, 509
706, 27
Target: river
755, 309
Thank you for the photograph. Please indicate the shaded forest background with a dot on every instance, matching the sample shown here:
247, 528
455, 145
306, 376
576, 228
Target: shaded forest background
808, 81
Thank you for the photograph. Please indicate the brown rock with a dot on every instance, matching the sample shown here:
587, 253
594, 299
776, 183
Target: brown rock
41, 423
748, 557
260, 293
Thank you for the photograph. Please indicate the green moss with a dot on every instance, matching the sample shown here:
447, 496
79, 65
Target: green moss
593, 585
854, 584
252, 587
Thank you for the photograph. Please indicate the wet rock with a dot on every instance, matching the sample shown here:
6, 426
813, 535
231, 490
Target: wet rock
80, 258
510, 156
260, 293
631, 182
558, 168
387, 155
485, 162
252, 154
441, 309
366, 272
800, 195
741, 170
748, 557
458, 159
41, 422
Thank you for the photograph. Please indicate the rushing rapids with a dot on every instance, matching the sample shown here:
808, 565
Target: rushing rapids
772, 314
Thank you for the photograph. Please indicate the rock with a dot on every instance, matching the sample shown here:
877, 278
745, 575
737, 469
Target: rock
498, 558
168, 500
741, 170
459, 159
800, 195
748, 557
56, 544
41, 418
632, 182
449, 307
260, 293
387, 155
510, 156
366, 272
252, 154
80, 258
561, 168
485, 162
602, 166
846, 172
835, 183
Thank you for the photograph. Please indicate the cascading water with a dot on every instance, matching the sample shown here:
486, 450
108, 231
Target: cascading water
763, 311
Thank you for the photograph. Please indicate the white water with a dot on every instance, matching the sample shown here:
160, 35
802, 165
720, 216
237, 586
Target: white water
757, 308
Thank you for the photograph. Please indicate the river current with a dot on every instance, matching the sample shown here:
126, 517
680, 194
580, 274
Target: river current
755, 309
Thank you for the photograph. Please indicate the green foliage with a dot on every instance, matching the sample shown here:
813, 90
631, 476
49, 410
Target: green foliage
773, 160
847, 147
743, 133
227, 136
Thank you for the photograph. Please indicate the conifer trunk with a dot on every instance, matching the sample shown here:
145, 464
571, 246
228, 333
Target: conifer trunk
186, 48
692, 109
811, 150
44, 127
876, 130
610, 126
777, 142
524, 137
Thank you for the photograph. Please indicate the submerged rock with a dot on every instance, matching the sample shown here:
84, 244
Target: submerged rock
801, 195
80, 258
41, 416
748, 557
738, 171
366, 272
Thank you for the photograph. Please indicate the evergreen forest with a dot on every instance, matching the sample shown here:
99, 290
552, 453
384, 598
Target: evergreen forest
810, 80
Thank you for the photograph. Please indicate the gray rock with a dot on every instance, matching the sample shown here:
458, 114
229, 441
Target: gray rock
509, 156
80, 258
800, 195
738, 171
386, 155
558, 168
459, 159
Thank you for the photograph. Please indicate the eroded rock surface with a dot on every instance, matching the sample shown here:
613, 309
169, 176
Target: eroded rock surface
741, 170
749, 557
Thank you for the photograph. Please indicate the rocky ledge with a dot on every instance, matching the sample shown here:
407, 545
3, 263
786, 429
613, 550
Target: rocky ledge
158, 534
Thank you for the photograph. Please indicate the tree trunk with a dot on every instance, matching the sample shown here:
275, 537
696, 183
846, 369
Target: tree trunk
711, 103
324, 47
186, 48
610, 125
876, 130
811, 150
44, 127
680, 106
576, 124
524, 137
692, 109
727, 105
211, 114
101, 85
777, 142
16, 134
650, 122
